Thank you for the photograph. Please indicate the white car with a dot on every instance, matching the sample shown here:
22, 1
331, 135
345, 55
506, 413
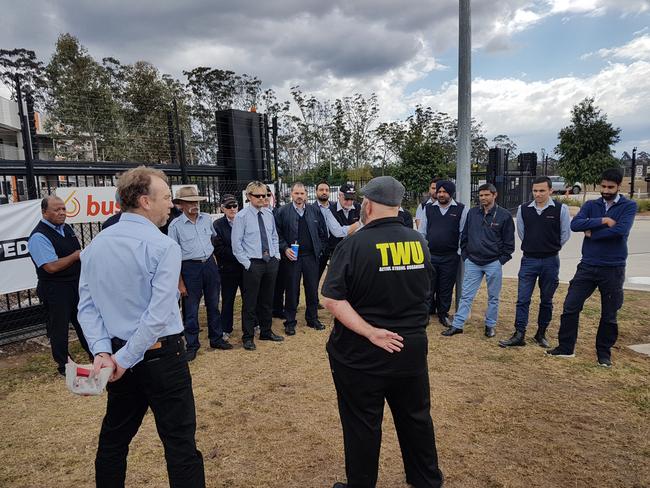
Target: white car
560, 186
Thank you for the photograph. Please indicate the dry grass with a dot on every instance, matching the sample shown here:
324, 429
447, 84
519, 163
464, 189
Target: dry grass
503, 418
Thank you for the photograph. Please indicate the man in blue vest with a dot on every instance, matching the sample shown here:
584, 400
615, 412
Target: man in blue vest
487, 243
303, 224
543, 226
441, 224
55, 251
606, 223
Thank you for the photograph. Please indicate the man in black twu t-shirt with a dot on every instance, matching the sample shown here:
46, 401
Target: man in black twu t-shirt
378, 348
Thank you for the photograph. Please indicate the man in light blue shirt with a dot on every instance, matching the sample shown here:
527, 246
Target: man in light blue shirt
543, 226
193, 231
255, 244
128, 309
55, 250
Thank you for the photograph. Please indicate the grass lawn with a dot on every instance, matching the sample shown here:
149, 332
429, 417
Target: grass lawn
503, 418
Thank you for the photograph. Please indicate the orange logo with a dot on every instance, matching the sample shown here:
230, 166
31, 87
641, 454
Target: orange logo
72, 206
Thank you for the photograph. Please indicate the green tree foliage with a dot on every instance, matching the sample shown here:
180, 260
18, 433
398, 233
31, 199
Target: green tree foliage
585, 147
24, 63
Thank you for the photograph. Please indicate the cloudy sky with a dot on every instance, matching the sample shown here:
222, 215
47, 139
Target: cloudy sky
532, 60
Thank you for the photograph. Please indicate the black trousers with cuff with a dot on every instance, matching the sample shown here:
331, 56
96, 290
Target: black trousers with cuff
361, 408
162, 382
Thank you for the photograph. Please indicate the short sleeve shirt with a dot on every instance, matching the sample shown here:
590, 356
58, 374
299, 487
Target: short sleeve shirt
384, 271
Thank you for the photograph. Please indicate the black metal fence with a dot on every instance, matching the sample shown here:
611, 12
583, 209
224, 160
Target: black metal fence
21, 314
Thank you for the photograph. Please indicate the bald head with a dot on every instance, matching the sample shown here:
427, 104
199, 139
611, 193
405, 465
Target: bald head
53, 210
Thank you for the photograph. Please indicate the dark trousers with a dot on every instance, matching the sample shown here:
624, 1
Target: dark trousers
361, 408
322, 264
445, 268
60, 299
201, 279
544, 271
162, 382
307, 267
257, 296
609, 281
229, 284
279, 290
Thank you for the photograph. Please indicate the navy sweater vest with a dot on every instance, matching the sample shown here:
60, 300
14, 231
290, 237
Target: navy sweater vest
542, 233
63, 246
443, 230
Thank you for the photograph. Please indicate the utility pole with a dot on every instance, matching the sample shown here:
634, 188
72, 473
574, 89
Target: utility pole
464, 144
633, 173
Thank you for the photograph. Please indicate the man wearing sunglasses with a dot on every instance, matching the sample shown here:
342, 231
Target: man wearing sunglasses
230, 269
255, 244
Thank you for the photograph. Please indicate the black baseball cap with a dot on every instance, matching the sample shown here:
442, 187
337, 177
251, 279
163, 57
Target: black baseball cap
348, 190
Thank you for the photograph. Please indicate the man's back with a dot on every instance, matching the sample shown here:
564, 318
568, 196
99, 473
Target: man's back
130, 277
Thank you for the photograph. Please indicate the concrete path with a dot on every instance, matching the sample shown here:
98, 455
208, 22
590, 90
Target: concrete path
638, 263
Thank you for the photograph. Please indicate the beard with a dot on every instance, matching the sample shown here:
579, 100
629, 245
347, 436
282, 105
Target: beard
322, 198
608, 196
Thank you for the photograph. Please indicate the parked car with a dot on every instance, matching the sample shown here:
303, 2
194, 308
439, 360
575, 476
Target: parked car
561, 186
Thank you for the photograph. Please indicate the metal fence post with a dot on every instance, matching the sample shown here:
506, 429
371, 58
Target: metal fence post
27, 146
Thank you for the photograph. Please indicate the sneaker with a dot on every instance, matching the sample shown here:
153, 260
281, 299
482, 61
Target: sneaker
559, 353
605, 362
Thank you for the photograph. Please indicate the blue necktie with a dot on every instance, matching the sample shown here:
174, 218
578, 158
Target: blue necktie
265, 240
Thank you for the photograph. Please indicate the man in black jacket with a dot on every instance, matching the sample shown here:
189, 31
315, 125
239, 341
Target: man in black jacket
55, 251
486, 243
346, 211
230, 269
300, 224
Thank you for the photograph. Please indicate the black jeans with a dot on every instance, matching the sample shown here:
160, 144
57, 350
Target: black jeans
442, 285
361, 408
258, 282
279, 290
60, 299
162, 382
229, 284
201, 280
307, 267
609, 281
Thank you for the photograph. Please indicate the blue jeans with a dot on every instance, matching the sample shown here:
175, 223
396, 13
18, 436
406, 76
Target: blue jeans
471, 282
546, 272
201, 279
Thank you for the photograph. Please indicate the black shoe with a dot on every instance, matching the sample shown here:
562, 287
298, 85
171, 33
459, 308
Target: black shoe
320, 307
517, 339
540, 339
190, 355
290, 331
605, 362
559, 353
451, 331
490, 332
316, 325
249, 345
61, 370
340, 485
271, 336
221, 344
445, 321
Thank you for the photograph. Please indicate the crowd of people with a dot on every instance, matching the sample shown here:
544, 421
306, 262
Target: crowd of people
385, 278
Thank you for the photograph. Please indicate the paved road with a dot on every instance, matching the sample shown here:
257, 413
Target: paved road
638, 263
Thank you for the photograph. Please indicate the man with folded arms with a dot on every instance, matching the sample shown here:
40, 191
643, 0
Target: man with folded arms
128, 309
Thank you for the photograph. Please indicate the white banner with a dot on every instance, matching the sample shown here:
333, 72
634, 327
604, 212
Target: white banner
17, 220
88, 203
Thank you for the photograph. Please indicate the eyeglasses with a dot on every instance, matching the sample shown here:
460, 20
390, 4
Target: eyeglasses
257, 196
230, 206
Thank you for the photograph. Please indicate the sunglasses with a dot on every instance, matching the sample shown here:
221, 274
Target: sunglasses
348, 199
258, 196
230, 206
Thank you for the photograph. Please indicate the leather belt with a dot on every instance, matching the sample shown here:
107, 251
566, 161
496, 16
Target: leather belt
118, 343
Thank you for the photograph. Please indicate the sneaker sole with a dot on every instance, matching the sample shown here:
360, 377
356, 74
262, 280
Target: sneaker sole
561, 355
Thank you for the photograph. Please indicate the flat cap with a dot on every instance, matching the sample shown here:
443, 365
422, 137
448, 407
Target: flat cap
385, 190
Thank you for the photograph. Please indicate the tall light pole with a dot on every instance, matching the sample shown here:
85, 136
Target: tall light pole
464, 143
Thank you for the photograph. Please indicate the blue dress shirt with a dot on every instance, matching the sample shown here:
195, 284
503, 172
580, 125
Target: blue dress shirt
246, 240
129, 288
332, 225
565, 220
41, 248
195, 239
